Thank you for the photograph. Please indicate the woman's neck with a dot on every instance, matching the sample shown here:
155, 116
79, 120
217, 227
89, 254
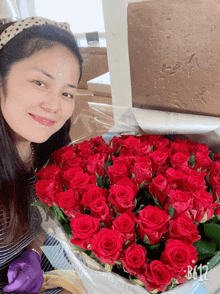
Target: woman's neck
24, 150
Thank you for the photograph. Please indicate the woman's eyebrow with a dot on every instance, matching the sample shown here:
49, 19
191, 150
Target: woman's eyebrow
50, 76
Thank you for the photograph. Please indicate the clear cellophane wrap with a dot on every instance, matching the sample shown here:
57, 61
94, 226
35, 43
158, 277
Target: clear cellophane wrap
78, 273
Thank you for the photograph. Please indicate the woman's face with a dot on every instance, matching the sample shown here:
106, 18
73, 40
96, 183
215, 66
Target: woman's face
41, 91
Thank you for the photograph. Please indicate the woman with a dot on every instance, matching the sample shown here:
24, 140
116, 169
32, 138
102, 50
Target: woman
40, 68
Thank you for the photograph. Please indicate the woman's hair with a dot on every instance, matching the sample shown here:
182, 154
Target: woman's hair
14, 185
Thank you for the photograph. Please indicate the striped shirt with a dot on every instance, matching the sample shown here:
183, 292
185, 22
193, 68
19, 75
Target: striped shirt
53, 256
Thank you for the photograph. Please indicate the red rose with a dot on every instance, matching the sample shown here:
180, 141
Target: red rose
101, 210
96, 164
67, 156
107, 245
121, 197
85, 153
215, 171
203, 161
81, 181
68, 200
192, 172
117, 171
130, 183
181, 200
46, 190
74, 163
163, 144
129, 145
134, 259
183, 229
179, 161
92, 193
145, 159
217, 157
142, 172
51, 171
174, 178
203, 206
202, 148
102, 149
85, 145
122, 159
160, 183
159, 160
57, 155
156, 276
178, 256
160, 188
194, 183
152, 222
98, 141
180, 146
142, 149
115, 143
125, 224
84, 227
70, 173
151, 138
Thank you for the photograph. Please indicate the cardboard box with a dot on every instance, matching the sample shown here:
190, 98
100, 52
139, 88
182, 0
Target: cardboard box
174, 52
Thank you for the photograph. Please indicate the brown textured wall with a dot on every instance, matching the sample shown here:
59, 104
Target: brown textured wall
95, 64
174, 51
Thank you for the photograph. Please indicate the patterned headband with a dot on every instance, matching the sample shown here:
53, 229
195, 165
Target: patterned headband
22, 24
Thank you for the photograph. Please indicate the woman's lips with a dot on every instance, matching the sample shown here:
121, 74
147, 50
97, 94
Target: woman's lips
42, 120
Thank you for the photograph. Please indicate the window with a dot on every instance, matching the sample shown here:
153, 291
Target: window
82, 15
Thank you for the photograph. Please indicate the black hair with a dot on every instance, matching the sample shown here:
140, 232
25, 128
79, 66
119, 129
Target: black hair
14, 187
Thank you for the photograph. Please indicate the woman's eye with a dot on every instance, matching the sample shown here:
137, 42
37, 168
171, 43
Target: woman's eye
68, 95
39, 83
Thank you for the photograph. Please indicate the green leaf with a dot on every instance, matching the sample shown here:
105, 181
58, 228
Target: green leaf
100, 181
108, 163
140, 207
207, 179
142, 185
204, 247
118, 151
174, 281
212, 231
214, 261
211, 155
154, 291
146, 240
47, 210
133, 176
192, 161
67, 229
58, 212
204, 219
204, 257
171, 211
156, 201
153, 247
108, 267
136, 281
39, 203
217, 197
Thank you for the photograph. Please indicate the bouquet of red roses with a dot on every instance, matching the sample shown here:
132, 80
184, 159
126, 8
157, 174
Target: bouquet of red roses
145, 207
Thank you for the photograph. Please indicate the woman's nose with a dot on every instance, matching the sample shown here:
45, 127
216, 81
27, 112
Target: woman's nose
52, 105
